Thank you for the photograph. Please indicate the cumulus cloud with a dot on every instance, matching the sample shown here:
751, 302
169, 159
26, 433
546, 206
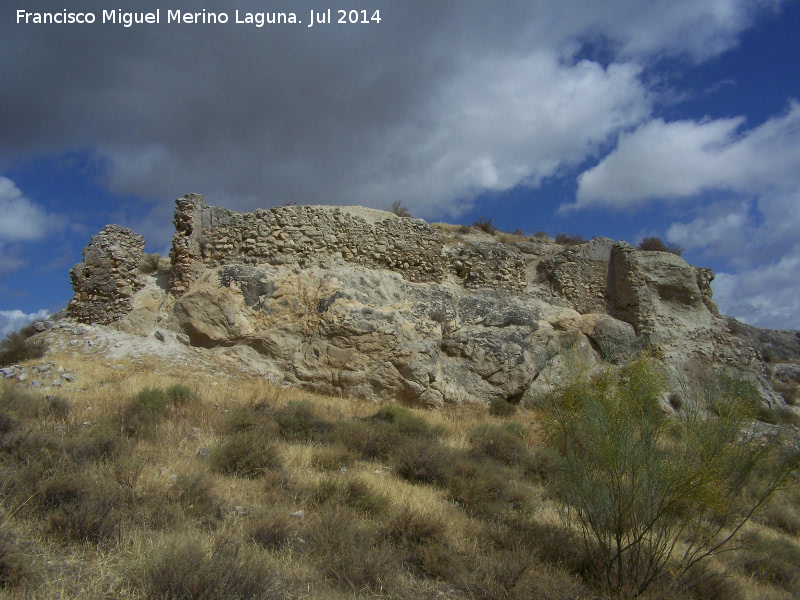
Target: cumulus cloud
681, 159
12, 320
767, 296
22, 220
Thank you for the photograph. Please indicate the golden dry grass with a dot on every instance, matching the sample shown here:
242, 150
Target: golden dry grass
166, 493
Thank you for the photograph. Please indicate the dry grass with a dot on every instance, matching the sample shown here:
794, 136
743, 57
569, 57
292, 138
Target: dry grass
129, 487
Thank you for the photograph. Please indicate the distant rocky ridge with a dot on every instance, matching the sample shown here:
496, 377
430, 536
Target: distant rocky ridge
363, 303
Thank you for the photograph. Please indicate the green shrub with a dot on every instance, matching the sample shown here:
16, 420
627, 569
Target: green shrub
180, 395
182, 569
634, 482
369, 439
238, 420
97, 443
500, 407
423, 461
482, 489
247, 454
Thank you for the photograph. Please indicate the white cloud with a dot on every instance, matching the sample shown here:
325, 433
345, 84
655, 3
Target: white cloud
12, 320
722, 232
682, 159
766, 296
20, 219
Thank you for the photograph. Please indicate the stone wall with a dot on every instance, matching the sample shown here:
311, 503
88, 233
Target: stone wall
107, 278
301, 235
493, 265
580, 275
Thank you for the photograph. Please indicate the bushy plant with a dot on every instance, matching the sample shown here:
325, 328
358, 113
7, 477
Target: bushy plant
182, 569
149, 264
405, 421
247, 454
19, 347
400, 210
658, 245
15, 567
485, 225
774, 561
635, 482
500, 407
569, 239
503, 443
300, 421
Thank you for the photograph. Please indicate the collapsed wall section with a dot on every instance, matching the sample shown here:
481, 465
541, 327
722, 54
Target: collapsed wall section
209, 236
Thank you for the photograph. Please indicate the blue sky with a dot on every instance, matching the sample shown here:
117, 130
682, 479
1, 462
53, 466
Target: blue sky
676, 118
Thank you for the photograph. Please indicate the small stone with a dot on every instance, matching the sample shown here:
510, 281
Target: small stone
203, 452
159, 335
68, 377
343, 469
36, 383
299, 514
183, 339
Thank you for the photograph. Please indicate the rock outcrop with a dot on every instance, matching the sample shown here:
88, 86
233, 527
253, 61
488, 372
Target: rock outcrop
360, 302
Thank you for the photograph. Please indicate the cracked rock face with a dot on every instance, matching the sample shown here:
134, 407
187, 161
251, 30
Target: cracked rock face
367, 333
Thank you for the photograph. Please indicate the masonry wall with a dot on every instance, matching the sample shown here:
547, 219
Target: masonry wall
213, 236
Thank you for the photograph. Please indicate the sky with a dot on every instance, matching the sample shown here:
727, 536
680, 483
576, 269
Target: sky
624, 119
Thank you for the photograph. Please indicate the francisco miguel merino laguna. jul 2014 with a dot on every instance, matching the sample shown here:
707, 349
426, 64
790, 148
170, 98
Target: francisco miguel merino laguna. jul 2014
128, 19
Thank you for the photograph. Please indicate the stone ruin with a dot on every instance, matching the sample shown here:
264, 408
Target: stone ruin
356, 301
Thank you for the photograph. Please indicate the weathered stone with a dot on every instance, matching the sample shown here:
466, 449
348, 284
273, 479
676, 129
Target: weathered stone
107, 278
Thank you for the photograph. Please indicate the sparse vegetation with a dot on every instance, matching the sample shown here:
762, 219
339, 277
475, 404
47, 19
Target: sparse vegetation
149, 264
485, 225
400, 210
658, 245
19, 347
569, 239
151, 489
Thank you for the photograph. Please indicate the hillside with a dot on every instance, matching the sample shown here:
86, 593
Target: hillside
253, 419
